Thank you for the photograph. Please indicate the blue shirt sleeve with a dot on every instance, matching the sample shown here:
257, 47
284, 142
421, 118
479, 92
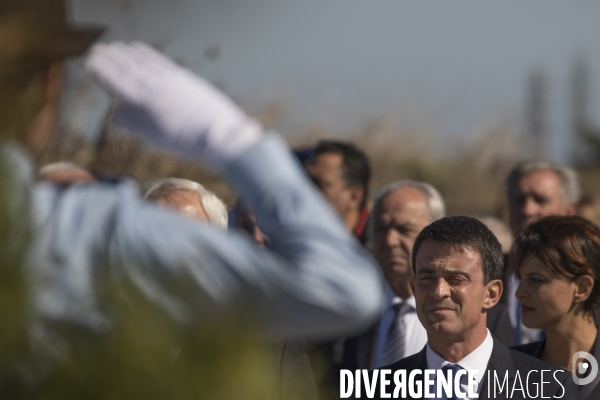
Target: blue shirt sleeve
314, 280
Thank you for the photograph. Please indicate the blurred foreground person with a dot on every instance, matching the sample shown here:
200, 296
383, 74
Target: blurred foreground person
95, 245
458, 269
244, 219
557, 262
342, 172
294, 364
65, 173
196, 202
189, 198
535, 189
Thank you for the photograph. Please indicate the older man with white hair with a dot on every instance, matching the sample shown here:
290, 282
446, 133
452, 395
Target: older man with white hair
535, 189
189, 198
539, 189
400, 211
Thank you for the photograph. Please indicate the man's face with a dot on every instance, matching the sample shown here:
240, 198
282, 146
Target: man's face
185, 202
449, 290
398, 219
535, 196
326, 171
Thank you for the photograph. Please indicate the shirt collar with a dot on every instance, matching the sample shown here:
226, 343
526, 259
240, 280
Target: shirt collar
392, 298
410, 301
359, 230
476, 360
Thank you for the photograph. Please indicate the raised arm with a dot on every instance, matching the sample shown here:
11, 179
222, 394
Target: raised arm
314, 279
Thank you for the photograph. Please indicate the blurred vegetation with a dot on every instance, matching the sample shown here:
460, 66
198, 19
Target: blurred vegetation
469, 172
591, 138
147, 356
13, 295
118, 155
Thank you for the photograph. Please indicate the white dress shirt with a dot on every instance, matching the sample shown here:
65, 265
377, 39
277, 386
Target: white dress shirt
476, 360
416, 335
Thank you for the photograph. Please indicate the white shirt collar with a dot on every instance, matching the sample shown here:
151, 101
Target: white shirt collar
395, 299
476, 360
410, 301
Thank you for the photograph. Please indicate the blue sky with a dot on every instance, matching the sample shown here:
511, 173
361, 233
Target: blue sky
339, 63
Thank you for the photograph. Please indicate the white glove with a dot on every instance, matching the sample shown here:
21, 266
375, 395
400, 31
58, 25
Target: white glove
171, 106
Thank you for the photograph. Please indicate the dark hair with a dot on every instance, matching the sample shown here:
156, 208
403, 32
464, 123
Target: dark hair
567, 245
356, 169
466, 232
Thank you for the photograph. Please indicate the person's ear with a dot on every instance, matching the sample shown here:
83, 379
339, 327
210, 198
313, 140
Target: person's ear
583, 288
571, 209
494, 292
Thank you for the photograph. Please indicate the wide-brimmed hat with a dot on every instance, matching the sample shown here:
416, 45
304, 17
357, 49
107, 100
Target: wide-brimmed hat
40, 30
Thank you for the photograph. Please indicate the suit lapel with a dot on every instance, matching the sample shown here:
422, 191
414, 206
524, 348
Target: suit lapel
421, 364
500, 362
537, 348
421, 359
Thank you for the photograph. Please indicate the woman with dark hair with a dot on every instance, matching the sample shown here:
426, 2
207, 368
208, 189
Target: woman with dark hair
557, 260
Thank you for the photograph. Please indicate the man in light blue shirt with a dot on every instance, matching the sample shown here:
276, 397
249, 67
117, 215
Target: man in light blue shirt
315, 279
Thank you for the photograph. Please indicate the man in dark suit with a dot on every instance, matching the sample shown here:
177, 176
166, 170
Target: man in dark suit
458, 271
400, 211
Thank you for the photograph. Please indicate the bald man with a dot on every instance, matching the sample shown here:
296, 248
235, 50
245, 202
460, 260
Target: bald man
188, 198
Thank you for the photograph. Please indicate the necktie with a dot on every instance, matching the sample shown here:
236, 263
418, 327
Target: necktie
454, 368
394, 344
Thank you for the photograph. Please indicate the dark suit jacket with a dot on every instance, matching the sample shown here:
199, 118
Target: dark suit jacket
498, 322
359, 352
587, 392
504, 360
